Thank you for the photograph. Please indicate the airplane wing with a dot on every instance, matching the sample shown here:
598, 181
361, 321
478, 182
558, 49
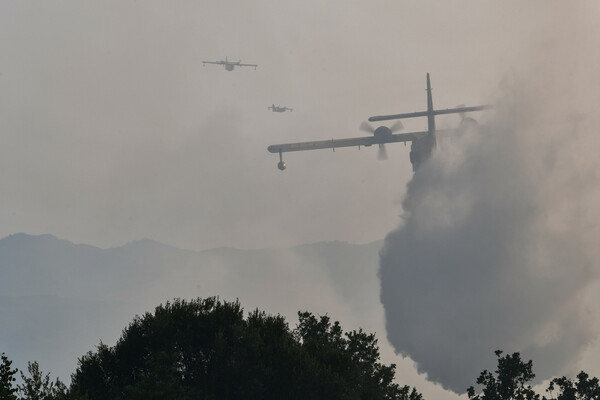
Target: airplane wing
456, 110
248, 65
213, 62
351, 142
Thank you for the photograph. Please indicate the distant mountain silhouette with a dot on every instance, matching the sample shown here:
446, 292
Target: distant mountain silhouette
58, 300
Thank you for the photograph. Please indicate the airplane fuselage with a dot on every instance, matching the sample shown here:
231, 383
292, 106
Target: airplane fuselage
229, 65
275, 108
421, 150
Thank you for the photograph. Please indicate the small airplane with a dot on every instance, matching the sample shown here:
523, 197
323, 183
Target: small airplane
279, 109
229, 65
422, 143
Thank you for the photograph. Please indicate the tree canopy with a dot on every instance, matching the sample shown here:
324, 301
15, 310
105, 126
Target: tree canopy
511, 381
584, 388
207, 349
35, 386
7, 377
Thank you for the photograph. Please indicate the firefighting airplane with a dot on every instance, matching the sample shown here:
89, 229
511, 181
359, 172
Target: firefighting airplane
229, 65
422, 143
279, 109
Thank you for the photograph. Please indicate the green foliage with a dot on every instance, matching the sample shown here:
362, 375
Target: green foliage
36, 386
345, 366
7, 391
583, 388
512, 376
510, 381
206, 349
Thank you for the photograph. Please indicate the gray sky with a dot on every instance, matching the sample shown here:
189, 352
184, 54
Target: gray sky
113, 130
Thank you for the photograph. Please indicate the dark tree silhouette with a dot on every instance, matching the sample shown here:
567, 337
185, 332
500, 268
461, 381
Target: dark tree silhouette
7, 378
510, 381
583, 388
206, 349
38, 386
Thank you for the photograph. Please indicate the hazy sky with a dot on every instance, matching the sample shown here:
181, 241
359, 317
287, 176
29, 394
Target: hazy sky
113, 130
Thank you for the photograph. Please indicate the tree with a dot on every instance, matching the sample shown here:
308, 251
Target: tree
345, 365
36, 386
509, 383
206, 349
583, 388
512, 376
7, 391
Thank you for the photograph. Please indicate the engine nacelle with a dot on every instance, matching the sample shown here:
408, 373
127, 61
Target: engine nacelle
382, 133
281, 165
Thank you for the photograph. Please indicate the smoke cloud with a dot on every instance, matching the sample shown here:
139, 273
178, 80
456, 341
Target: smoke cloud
496, 249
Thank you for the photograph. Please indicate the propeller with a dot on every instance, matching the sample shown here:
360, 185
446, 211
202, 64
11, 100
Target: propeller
397, 126
382, 130
367, 127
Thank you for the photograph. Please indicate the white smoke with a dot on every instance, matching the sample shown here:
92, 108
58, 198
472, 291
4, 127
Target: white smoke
497, 246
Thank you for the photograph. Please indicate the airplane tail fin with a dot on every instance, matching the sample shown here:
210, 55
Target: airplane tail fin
429, 97
430, 117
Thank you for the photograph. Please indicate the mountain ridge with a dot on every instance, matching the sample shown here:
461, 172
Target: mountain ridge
144, 241
58, 299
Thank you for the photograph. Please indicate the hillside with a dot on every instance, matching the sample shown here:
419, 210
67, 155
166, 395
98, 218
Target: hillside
58, 299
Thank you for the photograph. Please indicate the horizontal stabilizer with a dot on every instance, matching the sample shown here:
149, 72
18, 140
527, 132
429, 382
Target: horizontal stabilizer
457, 110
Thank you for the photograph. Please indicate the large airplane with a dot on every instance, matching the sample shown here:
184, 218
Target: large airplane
422, 143
279, 109
229, 65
